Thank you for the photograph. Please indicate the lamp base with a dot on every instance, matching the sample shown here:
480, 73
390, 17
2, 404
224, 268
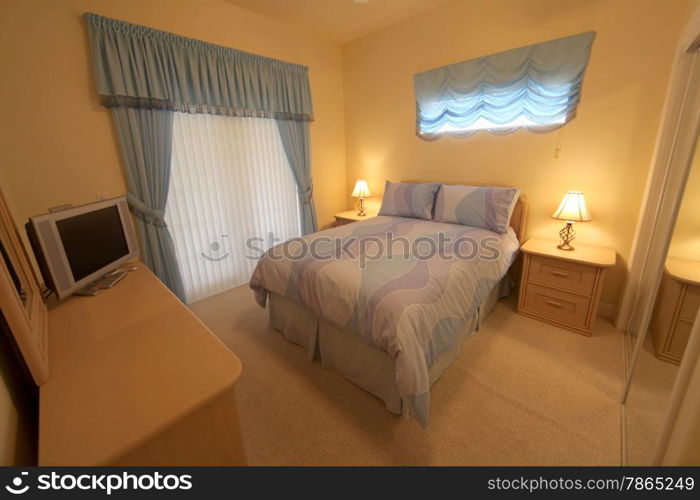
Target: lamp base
361, 213
567, 235
565, 246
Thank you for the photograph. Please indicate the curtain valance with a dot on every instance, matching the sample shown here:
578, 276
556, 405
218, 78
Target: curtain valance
136, 66
537, 87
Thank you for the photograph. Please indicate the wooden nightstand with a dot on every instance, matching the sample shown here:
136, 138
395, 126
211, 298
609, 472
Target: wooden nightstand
677, 304
351, 216
563, 287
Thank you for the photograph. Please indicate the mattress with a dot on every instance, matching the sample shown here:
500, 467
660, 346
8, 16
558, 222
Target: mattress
407, 287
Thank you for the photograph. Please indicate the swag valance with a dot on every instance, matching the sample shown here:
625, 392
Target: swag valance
141, 67
537, 87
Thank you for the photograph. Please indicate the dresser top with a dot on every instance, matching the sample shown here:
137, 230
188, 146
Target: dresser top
687, 271
585, 254
124, 365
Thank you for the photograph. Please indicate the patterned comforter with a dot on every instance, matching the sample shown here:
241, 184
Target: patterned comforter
407, 286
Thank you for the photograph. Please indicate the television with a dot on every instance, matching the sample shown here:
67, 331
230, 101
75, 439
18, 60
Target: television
78, 245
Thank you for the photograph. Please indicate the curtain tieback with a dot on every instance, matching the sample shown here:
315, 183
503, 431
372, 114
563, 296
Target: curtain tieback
305, 196
145, 213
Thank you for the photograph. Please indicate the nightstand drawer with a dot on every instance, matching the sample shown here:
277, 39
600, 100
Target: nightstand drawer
679, 339
560, 287
564, 306
691, 303
566, 275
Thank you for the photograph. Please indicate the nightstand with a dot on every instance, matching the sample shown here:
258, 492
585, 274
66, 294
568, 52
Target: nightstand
563, 287
676, 306
351, 216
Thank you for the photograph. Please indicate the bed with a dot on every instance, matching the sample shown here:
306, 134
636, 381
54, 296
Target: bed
379, 303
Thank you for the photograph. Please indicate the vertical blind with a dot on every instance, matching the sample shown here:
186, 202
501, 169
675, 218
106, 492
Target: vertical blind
230, 182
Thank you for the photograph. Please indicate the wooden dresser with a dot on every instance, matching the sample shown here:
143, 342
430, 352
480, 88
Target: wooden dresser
563, 287
676, 308
137, 379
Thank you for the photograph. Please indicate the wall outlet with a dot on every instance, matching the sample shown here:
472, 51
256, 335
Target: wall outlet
102, 195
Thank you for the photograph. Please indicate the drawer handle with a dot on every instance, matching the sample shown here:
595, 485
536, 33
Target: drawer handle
560, 273
554, 303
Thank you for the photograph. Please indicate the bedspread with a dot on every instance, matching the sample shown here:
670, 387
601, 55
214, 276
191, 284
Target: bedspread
407, 286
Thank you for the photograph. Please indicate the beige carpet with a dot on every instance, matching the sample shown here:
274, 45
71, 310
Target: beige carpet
647, 403
521, 393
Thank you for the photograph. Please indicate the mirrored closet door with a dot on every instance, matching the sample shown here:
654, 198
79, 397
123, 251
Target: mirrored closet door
662, 347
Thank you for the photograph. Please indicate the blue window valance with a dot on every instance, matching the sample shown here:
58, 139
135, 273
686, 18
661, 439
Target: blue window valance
537, 87
136, 66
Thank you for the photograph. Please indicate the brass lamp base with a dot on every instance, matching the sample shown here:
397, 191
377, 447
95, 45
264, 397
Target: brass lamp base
361, 213
567, 235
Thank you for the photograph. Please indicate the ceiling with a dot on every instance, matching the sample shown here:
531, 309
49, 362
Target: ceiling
339, 20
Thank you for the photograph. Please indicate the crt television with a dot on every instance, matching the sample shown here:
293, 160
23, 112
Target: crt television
78, 245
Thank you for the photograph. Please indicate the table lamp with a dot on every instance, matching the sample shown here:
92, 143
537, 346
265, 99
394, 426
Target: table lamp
361, 192
572, 209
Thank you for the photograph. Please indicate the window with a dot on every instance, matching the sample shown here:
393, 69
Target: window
484, 124
537, 87
230, 182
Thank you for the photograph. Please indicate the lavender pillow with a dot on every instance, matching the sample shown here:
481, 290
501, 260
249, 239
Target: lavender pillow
404, 199
478, 206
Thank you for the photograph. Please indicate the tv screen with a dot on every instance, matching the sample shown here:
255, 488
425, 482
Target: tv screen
92, 240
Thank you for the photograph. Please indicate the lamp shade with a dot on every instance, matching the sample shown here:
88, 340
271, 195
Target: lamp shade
361, 190
573, 208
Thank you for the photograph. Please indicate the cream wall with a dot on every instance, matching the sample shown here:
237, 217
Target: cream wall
58, 146
606, 149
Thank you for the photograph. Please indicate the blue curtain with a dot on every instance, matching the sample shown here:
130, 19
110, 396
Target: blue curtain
145, 139
138, 66
295, 139
537, 87
145, 75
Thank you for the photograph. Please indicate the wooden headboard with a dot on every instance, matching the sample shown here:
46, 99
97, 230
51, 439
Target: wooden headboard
518, 221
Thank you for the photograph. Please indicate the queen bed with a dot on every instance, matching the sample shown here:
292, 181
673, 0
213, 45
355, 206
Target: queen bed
389, 301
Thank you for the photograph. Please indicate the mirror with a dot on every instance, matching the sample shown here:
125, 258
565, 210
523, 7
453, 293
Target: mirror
21, 299
677, 302
16, 274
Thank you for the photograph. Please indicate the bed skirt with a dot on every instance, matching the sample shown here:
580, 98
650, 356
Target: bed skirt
346, 352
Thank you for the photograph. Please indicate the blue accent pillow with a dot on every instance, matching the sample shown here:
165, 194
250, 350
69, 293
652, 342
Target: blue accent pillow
404, 199
478, 206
